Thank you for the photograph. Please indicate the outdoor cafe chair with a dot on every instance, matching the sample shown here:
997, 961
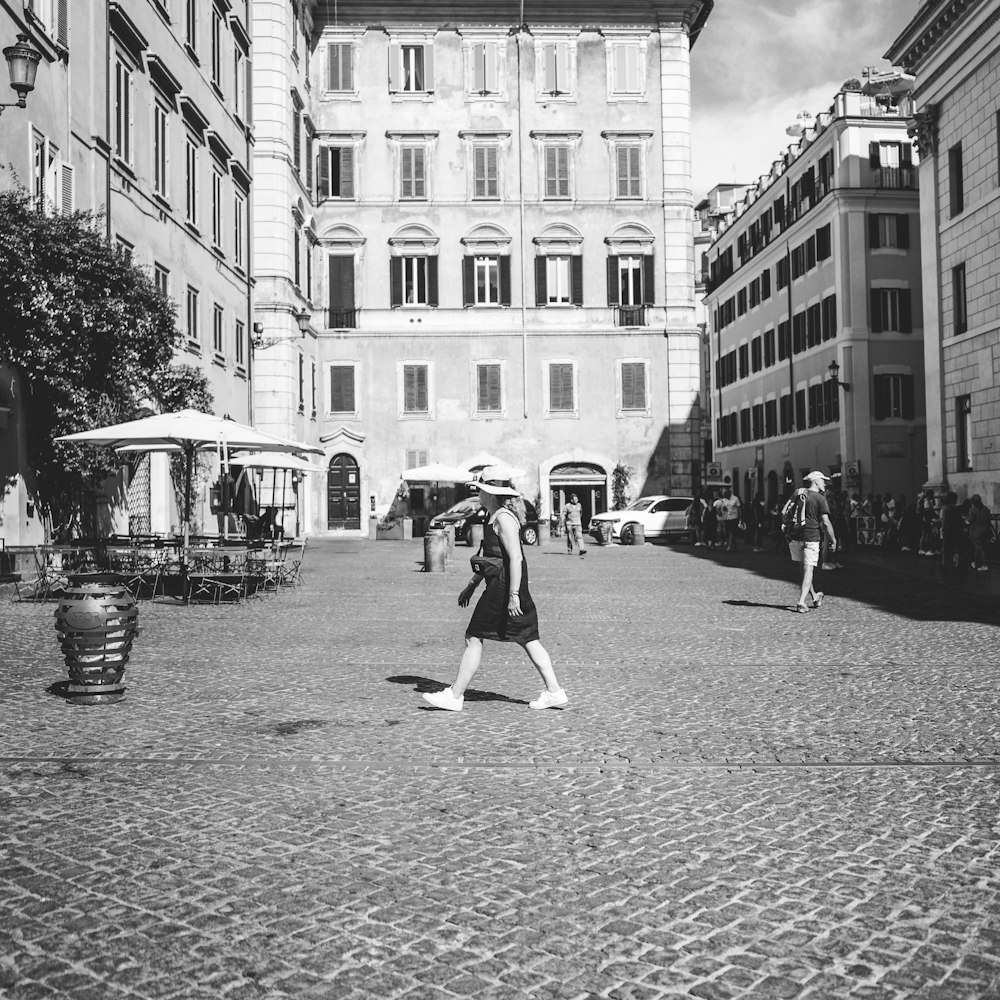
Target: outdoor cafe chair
49, 578
291, 567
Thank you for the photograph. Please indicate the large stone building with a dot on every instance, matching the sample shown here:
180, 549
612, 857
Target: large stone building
141, 112
954, 51
820, 267
473, 236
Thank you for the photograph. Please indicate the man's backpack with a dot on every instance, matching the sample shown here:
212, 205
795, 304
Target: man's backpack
793, 515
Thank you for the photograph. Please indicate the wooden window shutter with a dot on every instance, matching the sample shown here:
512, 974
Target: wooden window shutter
648, 280
876, 310
505, 283
346, 172
903, 232
541, 281
409, 388
489, 388
323, 172
419, 179
873, 237
395, 281
873, 155
906, 154
342, 282
623, 172
492, 83
395, 66
882, 398
468, 280
342, 389
551, 171
492, 173
406, 172
633, 385
333, 60
66, 191
560, 387
576, 280
907, 397
551, 80
428, 68
614, 289
562, 159
432, 281
62, 23
905, 311
479, 68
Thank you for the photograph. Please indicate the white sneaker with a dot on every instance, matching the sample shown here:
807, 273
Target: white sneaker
445, 699
548, 699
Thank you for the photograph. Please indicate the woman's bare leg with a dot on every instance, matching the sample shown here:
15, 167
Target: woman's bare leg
470, 664
543, 664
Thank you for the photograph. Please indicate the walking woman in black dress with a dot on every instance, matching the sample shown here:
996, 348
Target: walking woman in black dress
505, 612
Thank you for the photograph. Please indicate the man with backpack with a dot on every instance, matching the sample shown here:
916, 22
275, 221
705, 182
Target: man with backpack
803, 519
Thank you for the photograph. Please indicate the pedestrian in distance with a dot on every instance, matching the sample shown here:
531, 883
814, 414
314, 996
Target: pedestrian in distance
757, 522
693, 518
506, 611
952, 527
979, 521
710, 526
572, 514
727, 511
805, 550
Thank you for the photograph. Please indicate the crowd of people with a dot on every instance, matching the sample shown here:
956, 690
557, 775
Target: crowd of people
956, 533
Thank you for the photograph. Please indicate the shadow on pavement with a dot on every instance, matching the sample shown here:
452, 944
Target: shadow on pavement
919, 591
759, 604
422, 684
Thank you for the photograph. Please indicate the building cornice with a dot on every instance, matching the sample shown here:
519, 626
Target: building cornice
935, 20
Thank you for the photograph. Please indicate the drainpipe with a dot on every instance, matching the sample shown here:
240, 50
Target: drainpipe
109, 69
520, 214
248, 113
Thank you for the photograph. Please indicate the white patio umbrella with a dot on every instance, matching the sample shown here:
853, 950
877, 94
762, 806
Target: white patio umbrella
501, 472
436, 473
189, 431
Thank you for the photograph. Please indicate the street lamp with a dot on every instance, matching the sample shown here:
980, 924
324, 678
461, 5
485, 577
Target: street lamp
303, 318
22, 63
834, 370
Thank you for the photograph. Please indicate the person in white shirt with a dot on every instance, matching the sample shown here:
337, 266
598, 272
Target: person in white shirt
727, 508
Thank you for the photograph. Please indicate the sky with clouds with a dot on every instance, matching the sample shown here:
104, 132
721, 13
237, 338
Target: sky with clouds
758, 63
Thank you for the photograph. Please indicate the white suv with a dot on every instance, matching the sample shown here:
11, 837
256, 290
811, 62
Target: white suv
660, 517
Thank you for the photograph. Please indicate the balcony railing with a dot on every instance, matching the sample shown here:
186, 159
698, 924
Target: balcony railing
898, 178
343, 319
630, 315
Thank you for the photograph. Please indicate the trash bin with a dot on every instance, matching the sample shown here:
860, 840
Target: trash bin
638, 534
605, 533
475, 535
435, 550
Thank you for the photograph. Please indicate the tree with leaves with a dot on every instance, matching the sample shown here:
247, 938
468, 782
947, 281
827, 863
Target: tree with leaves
90, 339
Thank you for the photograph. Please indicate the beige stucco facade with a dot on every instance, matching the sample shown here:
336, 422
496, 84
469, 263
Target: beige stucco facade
125, 93
832, 233
954, 52
443, 175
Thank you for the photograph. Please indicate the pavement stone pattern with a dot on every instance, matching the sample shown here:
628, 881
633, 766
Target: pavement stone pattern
739, 802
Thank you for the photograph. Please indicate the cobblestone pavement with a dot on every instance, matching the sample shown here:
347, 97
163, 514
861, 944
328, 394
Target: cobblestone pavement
738, 801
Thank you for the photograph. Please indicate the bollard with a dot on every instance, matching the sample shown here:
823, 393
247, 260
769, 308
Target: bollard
435, 551
449, 530
605, 533
475, 535
638, 534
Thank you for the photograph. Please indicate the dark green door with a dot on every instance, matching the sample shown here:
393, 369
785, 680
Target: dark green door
343, 493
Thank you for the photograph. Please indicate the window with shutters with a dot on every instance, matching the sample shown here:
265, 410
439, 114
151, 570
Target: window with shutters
784, 340
239, 228
483, 69
489, 388
632, 280
411, 65
956, 180
555, 69
239, 82
340, 291
216, 59
191, 24
632, 376
829, 317
485, 168
890, 232
756, 354
296, 134
340, 68
765, 284
47, 181
240, 345
628, 169
557, 171
161, 147
626, 69
823, 244
335, 172
800, 409
561, 387
959, 310
486, 280
770, 417
799, 332
781, 273
891, 310
416, 287
218, 331
558, 281
415, 389
217, 213
798, 257
413, 173
191, 180
192, 318
785, 414
963, 433
769, 351
744, 355
744, 424
814, 327
161, 279
123, 111
341, 379
893, 396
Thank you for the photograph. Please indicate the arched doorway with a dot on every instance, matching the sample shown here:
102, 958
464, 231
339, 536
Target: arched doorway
343, 494
589, 482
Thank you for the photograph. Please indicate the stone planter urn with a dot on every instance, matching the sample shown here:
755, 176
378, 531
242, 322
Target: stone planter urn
96, 624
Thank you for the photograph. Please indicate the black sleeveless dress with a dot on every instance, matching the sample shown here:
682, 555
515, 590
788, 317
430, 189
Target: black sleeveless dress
490, 619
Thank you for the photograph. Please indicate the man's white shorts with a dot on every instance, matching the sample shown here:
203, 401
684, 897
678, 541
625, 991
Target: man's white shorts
804, 552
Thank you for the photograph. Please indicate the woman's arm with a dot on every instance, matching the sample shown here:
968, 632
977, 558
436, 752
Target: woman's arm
508, 528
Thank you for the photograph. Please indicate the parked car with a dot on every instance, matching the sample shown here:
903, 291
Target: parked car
660, 517
464, 514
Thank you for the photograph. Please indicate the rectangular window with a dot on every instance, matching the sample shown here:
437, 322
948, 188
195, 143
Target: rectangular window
486, 179
239, 228
784, 340
633, 385
814, 325
192, 316
830, 317
218, 337
798, 261
161, 278
191, 181
335, 169
785, 425
800, 409
956, 183
810, 245
161, 146
631, 270
799, 332
340, 67
415, 389
239, 82
216, 47
486, 280
781, 272
302, 383
415, 281
626, 67
191, 25
769, 354
561, 386
888, 231
216, 209
890, 310
744, 424
629, 170
557, 171
297, 140
765, 283
342, 389
412, 176
240, 344
741, 302
412, 78
312, 378
484, 68
555, 69
770, 418
823, 247
123, 112
744, 355
757, 421
756, 354
557, 280
893, 397
489, 398
963, 433
958, 301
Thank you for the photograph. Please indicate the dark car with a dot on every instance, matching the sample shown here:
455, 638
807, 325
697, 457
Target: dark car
464, 514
